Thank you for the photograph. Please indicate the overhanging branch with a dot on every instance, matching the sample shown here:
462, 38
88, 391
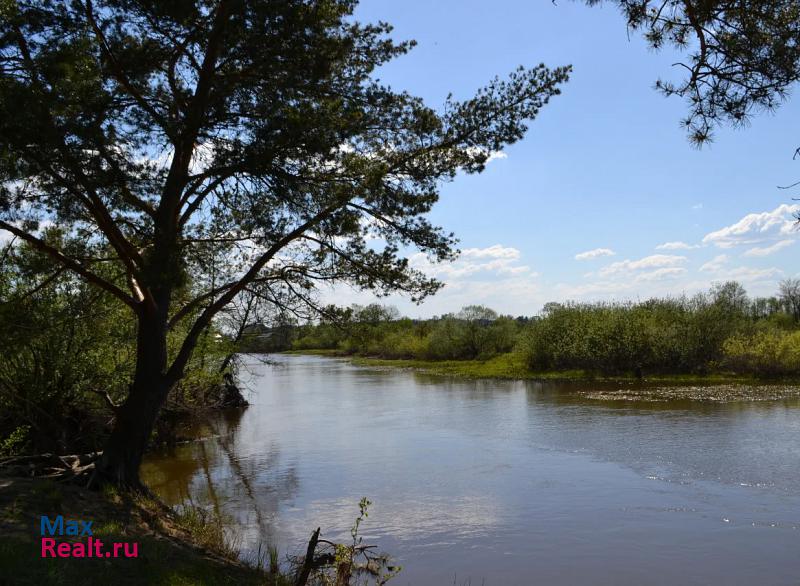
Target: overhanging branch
176, 369
71, 264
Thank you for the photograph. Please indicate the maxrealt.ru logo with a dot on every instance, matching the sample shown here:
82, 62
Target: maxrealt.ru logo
69, 548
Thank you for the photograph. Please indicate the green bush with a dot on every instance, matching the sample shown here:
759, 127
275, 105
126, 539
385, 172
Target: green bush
476, 332
403, 344
456, 338
769, 352
64, 345
658, 335
695, 335
319, 337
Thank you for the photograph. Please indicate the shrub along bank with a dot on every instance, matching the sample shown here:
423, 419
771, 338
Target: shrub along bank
68, 351
720, 331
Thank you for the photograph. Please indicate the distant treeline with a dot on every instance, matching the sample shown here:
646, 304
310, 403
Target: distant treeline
722, 330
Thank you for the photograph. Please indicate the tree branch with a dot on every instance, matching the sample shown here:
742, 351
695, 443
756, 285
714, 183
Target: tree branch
92, 201
185, 143
71, 264
176, 369
119, 74
107, 398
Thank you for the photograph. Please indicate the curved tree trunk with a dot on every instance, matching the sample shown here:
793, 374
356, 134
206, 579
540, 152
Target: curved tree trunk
136, 417
134, 423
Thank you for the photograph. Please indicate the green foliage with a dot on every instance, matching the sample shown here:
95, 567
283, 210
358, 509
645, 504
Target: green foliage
744, 55
15, 442
465, 337
681, 335
723, 329
769, 352
660, 335
65, 345
321, 337
62, 341
474, 333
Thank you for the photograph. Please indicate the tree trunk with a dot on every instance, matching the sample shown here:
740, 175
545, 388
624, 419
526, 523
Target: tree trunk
137, 416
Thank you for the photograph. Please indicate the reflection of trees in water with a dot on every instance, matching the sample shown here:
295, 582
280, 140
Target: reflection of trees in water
739, 443
254, 485
245, 491
679, 439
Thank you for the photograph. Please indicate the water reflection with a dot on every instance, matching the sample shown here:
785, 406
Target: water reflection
246, 491
511, 482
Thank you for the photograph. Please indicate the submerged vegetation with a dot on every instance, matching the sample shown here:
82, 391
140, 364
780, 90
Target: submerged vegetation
719, 332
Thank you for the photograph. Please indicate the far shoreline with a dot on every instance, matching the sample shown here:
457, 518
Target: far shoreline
717, 387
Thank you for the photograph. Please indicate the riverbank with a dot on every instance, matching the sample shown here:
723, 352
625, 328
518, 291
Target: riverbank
171, 548
512, 367
660, 387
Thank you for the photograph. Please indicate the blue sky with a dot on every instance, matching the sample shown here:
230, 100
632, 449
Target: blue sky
606, 166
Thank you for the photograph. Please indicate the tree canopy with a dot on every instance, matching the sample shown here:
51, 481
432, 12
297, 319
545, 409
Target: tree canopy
743, 55
203, 148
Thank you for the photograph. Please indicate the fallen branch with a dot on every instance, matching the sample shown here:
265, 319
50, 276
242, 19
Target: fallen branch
62, 468
308, 561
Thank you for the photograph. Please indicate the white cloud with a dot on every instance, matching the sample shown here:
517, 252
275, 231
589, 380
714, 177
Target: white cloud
596, 253
767, 250
515, 270
715, 264
491, 155
757, 227
719, 266
495, 251
649, 262
660, 274
697, 206
626, 277
496, 260
676, 245
494, 276
750, 274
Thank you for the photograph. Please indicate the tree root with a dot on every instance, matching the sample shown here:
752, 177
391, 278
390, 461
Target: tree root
232, 396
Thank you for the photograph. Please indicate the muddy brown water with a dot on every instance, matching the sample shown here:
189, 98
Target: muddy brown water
501, 482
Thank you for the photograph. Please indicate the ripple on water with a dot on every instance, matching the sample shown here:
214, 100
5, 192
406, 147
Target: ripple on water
517, 482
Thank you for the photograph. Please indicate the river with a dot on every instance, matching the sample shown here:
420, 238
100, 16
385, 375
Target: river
500, 482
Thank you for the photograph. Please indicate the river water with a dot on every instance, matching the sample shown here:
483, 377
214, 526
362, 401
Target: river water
500, 482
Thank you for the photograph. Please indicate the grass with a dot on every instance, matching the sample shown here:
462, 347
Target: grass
316, 352
174, 549
504, 366
511, 366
